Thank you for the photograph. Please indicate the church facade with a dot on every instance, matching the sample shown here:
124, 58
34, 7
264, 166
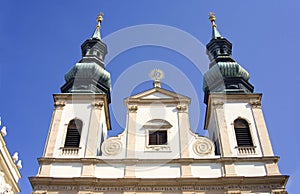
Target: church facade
158, 152
10, 166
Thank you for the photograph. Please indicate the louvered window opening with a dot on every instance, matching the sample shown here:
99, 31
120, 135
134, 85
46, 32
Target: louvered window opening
242, 132
158, 138
73, 133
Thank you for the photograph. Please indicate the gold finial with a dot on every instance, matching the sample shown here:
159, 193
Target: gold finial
156, 75
99, 19
212, 18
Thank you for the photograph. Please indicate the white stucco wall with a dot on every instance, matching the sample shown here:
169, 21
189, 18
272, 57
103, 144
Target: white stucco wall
109, 170
234, 110
157, 111
66, 170
157, 170
80, 111
206, 170
250, 169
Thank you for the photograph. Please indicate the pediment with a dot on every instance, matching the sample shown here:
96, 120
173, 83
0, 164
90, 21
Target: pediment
158, 93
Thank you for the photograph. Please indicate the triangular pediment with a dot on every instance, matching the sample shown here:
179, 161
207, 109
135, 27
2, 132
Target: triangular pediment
158, 93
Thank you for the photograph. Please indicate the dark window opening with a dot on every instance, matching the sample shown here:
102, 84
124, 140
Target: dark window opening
158, 137
73, 133
242, 133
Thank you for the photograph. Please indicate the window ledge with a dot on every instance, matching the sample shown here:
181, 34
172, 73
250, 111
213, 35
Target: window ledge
246, 150
164, 148
67, 151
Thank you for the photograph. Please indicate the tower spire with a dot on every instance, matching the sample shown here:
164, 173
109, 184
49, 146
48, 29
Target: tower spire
99, 20
89, 74
225, 75
215, 32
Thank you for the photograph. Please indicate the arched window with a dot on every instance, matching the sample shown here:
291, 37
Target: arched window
73, 133
242, 133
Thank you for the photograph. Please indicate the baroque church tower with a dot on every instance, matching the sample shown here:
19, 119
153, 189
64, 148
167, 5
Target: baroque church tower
158, 152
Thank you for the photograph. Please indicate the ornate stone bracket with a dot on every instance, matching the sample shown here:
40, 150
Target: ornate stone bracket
4, 187
218, 104
255, 104
132, 108
181, 108
59, 104
97, 105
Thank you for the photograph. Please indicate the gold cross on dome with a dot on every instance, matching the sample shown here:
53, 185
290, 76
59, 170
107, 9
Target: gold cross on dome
100, 17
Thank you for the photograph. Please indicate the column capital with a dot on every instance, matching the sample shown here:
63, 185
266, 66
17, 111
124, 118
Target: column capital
255, 104
97, 105
59, 104
132, 108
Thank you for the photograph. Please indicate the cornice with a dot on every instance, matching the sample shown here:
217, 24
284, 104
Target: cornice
139, 184
158, 161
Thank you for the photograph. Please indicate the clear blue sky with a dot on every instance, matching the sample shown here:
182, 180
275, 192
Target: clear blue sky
40, 41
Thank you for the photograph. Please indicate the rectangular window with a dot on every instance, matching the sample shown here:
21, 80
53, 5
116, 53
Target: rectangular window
158, 137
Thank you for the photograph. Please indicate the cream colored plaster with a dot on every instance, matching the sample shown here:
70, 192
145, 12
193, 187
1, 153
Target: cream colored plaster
262, 132
186, 170
229, 169
88, 170
53, 132
272, 168
183, 127
45, 169
223, 132
94, 131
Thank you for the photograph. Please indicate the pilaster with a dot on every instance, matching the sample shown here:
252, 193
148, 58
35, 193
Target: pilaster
88, 170
131, 135
94, 130
54, 126
262, 130
131, 131
186, 170
229, 169
183, 127
222, 128
272, 168
45, 169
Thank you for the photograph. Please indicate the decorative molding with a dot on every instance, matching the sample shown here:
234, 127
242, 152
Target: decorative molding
98, 105
181, 108
59, 104
218, 104
249, 150
255, 104
203, 146
132, 108
158, 148
70, 151
4, 187
111, 146
163, 188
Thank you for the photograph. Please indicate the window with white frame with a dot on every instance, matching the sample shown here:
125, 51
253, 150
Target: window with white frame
157, 134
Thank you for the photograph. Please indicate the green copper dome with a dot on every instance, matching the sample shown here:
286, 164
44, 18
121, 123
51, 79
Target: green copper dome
225, 75
89, 71
225, 70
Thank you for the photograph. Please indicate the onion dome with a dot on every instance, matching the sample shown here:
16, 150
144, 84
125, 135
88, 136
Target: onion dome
225, 75
89, 74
